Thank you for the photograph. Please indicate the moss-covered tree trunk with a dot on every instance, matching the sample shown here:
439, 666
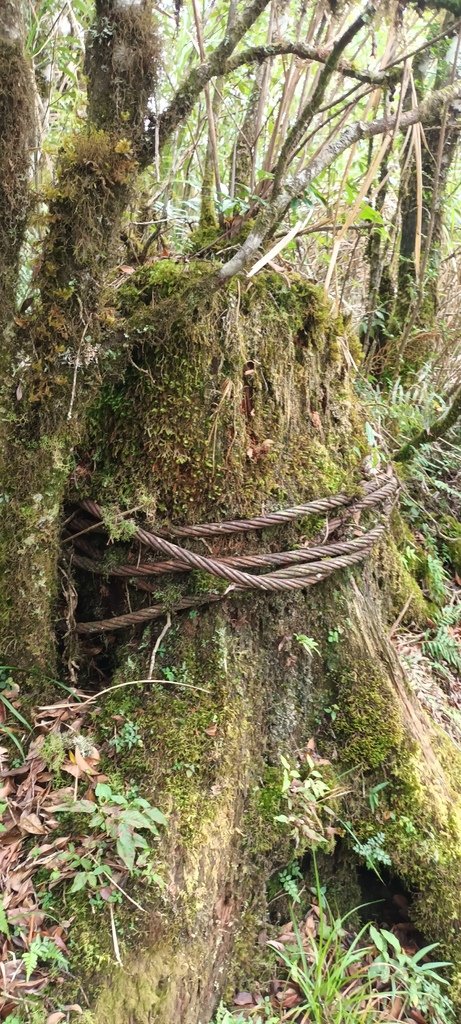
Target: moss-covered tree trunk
231, 403
191, 403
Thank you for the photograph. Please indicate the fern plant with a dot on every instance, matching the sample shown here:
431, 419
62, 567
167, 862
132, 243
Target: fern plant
444, 648
45, 950
437, 578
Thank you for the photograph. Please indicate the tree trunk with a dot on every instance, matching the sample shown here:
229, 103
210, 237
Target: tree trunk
55, 357
187, 434
17, 120
190, 402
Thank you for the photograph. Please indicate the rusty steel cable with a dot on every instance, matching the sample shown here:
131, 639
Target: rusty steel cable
297, 569
278, 558
318, 506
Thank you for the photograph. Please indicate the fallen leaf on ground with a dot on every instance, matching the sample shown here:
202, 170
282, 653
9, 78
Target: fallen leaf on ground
244, 999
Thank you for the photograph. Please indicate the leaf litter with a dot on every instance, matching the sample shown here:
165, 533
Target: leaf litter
35, 858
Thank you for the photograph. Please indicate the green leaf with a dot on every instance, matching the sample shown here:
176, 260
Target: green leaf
421, 953
136, 819
30, 961
76, 807
14, 739
377, 938
4, 926
126, 848
14, 711
367, 213
103, 791
79, 882
370, 435
392, 940
156, 815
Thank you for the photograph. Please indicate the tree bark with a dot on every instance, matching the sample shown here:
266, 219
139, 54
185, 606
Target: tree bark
189, 403
17, 120
211, 750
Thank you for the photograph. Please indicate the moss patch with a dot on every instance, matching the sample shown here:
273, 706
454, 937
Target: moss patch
233, 398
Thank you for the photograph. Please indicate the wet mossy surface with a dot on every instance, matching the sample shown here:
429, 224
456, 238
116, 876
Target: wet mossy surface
230, 403
383, 736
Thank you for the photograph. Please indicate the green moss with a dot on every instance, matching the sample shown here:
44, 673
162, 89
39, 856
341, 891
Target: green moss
266, 837
369, 728
186, 432
206, 237
204, 428
381, 733
17, 119
399, 586
53, 751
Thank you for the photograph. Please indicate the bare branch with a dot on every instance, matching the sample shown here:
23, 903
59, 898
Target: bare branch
184, 99
259, 54
273, 213
223, 62
314, 102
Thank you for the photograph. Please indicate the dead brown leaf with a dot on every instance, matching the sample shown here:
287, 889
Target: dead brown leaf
244, 999
31, 823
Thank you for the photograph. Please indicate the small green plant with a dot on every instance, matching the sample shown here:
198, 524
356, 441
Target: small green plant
437, 578
290, 878
409, 556
413, 978
127, 737
328, 970
307, 642
225, 1016
122, 820
332, 711
187, 767
373, 851
306, 794
374, 795
89, 874
262, 1014
8, 692
444, 648
44, 950
347, 978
